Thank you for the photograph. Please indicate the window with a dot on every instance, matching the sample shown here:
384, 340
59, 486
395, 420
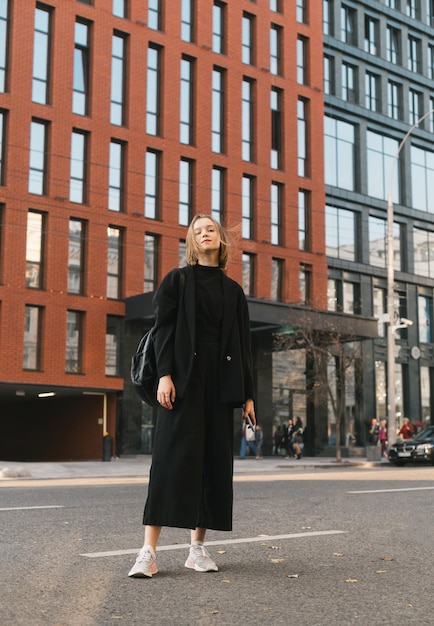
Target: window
329, 83
413, 50
430, 119
413, 9
276, 279
120, 8
275, 50
113, 337
248, 273
186, 115
327, 17
305, 283
381, 152
181, 253
153, 92
185, 206
301, 11
392, 4
425, 392
430, 12
422, 179
423, 252
371, 35
247, 39
74, 339
247, 120
154, 14
342, 296
372, 90
35, 245
341, 233
276, 128
218, 110
392, 45
431, 60
218, 193
276, 214
151, 263
218, 28
415, 100
32, 338
378, 243
425, 317
152, 184
303, 219
116, 176
348, 25
187, 20
302, 63
379, 303
76, 251
2, 145
247, 198
349, 82
4, 44
77, 169
117, 96
41, 56
276, 6
394, 100
38, 158
80, 87
302, 138
114, 262
339, 159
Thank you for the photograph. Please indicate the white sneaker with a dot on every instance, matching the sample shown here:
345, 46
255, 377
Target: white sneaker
200, 560
145, 565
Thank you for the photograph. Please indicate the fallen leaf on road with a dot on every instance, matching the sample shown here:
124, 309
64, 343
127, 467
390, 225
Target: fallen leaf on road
381, 571
337, 554
275, 547
305, 527
386, 558
214, 612
277, 560
351, 580
221, 551
226, 581
292, 575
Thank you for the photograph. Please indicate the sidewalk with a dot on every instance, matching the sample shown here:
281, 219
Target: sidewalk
139, 466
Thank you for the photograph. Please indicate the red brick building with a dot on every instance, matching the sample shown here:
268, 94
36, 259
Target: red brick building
119, 121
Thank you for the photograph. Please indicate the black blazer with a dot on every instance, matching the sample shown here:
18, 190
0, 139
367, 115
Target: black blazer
175, 334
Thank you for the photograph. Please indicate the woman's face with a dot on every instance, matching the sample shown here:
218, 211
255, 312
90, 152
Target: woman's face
207, 238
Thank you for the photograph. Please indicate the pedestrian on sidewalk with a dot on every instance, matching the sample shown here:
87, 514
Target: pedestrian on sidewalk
247, 440
259, 442
204, 364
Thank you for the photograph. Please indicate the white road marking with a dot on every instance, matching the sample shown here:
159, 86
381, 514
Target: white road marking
28, 508
179, 546
393, 490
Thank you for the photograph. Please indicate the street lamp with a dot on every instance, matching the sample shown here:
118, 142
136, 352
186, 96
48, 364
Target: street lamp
392, 326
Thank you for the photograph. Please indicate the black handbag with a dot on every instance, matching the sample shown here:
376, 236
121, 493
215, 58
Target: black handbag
144, 365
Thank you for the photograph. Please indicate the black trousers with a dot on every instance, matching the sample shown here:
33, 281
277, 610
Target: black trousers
192, 460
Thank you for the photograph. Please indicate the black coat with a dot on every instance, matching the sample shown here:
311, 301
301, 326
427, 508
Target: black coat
175, 332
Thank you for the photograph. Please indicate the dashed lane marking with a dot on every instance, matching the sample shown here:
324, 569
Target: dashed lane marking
393, 490
32, 508
179, 546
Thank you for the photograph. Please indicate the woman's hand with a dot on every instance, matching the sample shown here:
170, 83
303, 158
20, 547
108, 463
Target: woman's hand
166, 392
249, 409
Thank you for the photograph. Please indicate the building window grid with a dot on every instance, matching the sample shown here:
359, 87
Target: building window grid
414, 106
413, 9
302, 63
303, 220
276, 6
301, 11
423, 252
187, 20
430, 12
277, 266
152, 184
413, 49
431, 117
35, 249
118, 78
113, 340
3, 118
349, 82
341, 233
218, 110
339, 153
41, 55
275, 50
247, 210
38, 157
380, 154
247, 120
302, 138
425, 318
4, 44
120, 8
326, 18
80, 88
276, 214
329, 82
154, 14
371, 91
394, 100
151, 263
186, 116
247, 39
116, 176
114, 262
74, 339
77, 170
185, 205
348, 25
32, 338
422, 177
276, 128
248, 273
153, 81
305, 283
76, 258
392, 45
218, 28
371, 35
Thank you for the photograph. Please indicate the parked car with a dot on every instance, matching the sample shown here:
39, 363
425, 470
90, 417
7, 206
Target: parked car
419, 448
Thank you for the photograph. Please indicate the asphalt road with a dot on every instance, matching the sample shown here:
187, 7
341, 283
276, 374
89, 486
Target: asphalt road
323, 547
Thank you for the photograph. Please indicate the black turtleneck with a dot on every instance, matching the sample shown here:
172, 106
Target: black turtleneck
209, 301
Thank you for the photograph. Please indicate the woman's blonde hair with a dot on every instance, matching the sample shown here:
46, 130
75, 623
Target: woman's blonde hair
192, 249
